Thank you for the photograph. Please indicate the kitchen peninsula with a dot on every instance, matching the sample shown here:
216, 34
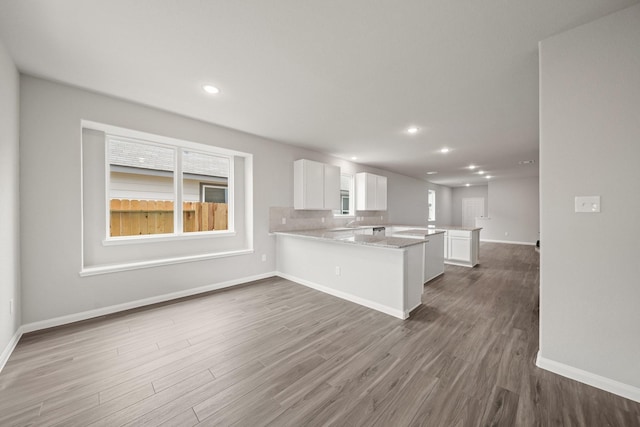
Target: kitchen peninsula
384, 273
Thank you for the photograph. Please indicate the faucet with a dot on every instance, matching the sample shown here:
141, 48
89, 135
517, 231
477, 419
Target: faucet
351, 223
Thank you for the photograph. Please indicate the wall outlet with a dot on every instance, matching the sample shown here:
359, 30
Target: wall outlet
11, 306
506, 233
587, 204
264, 257
322, 219
337, 270
284, 220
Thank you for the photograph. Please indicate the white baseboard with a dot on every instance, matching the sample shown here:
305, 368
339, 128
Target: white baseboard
459, 263
10, 347
510, 242
400, 314
76, 317
603, 383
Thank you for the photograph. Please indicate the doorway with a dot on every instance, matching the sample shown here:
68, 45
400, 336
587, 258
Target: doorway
472, 208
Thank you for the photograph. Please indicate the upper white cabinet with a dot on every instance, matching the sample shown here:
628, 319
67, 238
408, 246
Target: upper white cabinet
371, 192
315, 185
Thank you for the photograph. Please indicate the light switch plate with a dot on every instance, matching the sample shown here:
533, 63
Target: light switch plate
588, 204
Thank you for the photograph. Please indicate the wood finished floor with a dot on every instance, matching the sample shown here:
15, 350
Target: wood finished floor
277, 353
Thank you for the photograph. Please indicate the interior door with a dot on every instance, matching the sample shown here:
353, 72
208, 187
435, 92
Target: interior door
471, 209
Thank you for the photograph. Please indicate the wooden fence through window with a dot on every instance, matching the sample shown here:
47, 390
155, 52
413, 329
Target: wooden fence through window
137, 217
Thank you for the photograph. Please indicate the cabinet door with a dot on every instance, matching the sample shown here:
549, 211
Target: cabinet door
331, 187
371, 192
308, 184
460, 248
365, 191
381, 193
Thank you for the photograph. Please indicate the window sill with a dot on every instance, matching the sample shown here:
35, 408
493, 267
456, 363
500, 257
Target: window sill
114, 268
134, 240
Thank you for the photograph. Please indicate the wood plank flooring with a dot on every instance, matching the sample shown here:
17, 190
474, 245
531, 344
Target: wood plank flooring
280, 354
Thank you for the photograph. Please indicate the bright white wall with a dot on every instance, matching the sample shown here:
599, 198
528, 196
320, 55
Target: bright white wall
514, 211
459, 193
9, 189
50, 148
590, 145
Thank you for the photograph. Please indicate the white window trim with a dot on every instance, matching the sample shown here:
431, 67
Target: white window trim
352, 200
429, 192
94, 271
178, 146
248, 207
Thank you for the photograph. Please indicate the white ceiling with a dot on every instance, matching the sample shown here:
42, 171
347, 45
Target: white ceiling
342, 77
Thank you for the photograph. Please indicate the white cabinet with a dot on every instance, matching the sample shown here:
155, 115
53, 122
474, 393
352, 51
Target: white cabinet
316, 186
371, 192
434, 258
462, 247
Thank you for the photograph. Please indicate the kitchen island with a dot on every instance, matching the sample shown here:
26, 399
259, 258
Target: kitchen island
385, 273
461, 245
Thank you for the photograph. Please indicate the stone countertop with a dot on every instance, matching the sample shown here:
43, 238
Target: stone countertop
421, 232
457, 227
437, 227
358, 239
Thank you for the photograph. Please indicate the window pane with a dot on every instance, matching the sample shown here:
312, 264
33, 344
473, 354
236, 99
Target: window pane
205, 192
432, 205
141, 187
213, 194
346, 195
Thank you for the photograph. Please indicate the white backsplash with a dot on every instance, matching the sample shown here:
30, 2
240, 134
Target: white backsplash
312, 220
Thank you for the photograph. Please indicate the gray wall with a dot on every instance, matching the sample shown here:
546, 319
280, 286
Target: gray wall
590, 145
459, 193
9, 214
514, 211
443, 205
409, 203
51, 248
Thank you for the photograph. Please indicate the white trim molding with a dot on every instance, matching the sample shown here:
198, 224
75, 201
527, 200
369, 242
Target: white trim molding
76, 317
348, 297
90, 314
589, 378
114, 268
508, 242
4, 357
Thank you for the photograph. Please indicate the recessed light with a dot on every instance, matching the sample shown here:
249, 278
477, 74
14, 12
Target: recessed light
211, 89
472, 167
354, 158
488, 176
481, 172
467, 184
413, 130
432, 172
444, 150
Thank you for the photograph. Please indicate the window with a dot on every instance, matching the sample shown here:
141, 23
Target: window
213, 193
347, 205
432, 205
158, 188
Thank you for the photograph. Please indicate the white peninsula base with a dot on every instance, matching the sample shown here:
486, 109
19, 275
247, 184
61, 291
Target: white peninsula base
389, 280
